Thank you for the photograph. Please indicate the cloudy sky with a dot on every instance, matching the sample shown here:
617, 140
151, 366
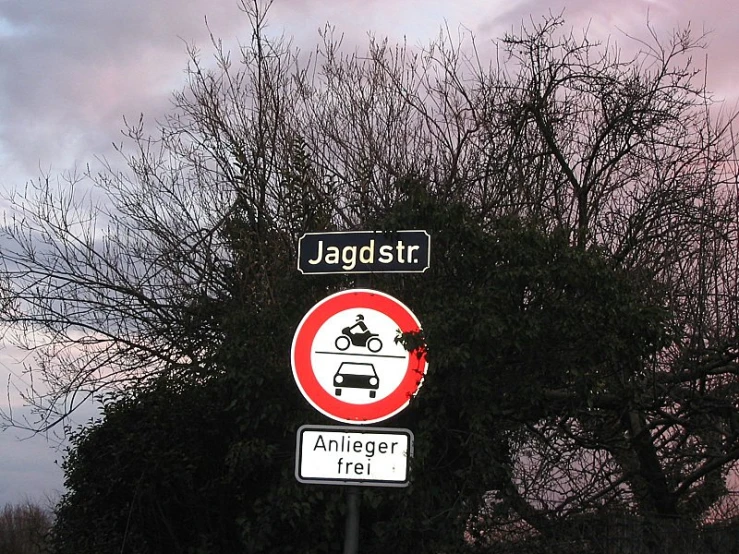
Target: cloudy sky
71, 70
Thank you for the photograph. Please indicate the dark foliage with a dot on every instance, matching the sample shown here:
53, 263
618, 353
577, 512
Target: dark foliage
205, 464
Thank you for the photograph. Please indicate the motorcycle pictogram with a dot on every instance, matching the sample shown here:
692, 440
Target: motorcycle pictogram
358, 335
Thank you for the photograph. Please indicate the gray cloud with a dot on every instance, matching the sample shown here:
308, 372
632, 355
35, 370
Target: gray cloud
31, 469
69, 71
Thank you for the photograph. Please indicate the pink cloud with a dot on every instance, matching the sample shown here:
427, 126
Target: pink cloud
71, 70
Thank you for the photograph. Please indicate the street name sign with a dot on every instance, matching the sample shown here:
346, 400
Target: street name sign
371, 457
364, 252
347, 362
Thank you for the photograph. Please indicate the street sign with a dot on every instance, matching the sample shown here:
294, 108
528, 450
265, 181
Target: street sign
370, 457
347, 362
364, 252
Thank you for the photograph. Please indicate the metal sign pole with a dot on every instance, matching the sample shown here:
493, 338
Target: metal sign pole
351, 533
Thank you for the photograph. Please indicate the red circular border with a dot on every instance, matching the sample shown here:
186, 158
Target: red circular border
305, 377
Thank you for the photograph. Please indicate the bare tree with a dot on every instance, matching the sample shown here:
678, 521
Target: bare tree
625, 154
23, 528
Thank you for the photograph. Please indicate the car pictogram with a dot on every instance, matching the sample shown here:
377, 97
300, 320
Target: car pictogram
356, 375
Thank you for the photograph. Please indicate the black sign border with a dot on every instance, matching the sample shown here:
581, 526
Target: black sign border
370, 271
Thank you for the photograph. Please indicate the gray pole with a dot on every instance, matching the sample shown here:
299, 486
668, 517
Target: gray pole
351, 534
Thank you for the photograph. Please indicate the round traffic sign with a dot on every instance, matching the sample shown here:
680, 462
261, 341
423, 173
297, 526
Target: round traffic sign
347, 362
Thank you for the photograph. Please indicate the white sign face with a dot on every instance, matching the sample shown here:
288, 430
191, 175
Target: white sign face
375, 457
340, 353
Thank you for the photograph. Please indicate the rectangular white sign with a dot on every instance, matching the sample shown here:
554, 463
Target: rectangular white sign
337, 455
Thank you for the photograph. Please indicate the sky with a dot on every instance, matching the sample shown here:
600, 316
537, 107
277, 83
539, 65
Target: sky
71, 71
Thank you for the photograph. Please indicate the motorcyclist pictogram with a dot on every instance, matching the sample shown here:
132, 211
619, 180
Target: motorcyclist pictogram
358, 335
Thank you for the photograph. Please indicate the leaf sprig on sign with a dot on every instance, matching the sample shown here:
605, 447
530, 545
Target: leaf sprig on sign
413, 341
